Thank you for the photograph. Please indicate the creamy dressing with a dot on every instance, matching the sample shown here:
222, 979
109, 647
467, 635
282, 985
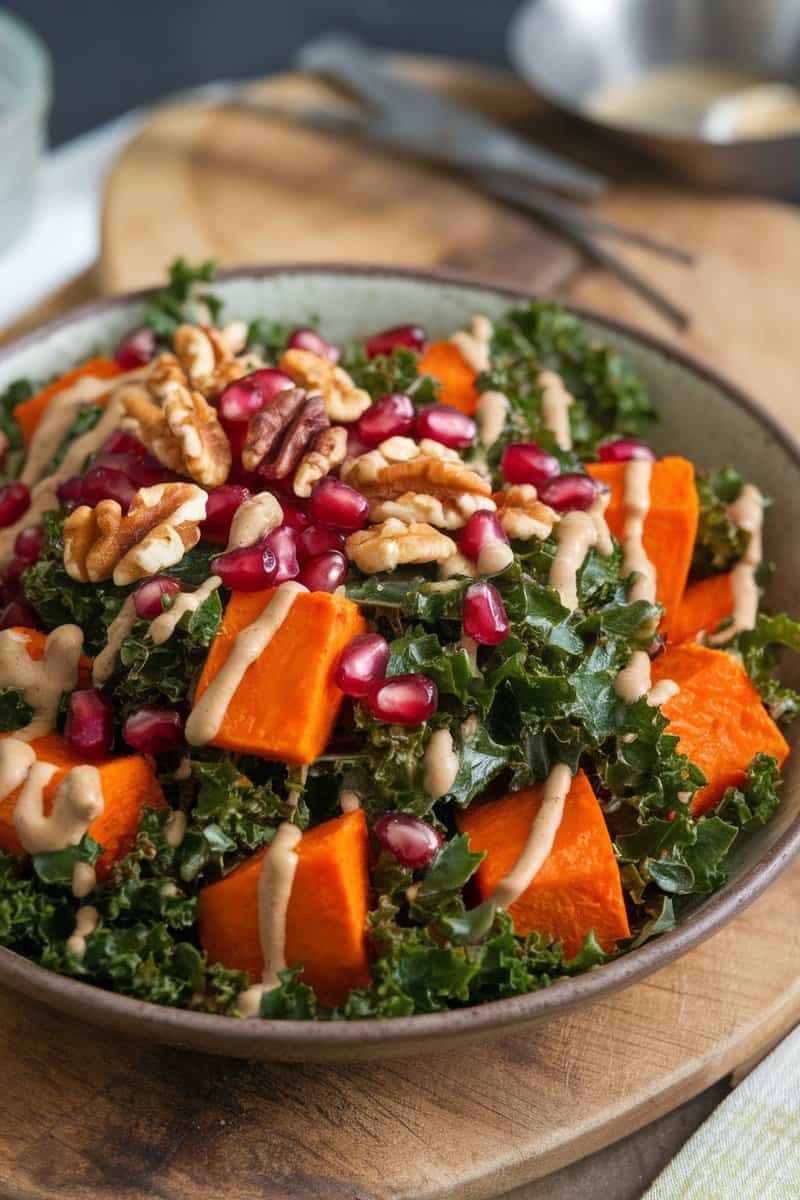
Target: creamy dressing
55, 424
118, 630
494, 557
440, 764
576, 535
490, 414
41, 681
633, 681
275, 882
474, 343
556, 402
175, 828
16, 759
208, 713
349, 801
661, 692
544, 828
78, 801
597, 513
86, 919
457, 564
163, 626
638, 473
84, 878
747, 512
253, 520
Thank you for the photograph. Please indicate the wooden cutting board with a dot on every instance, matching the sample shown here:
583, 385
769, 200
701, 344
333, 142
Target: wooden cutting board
86, 1116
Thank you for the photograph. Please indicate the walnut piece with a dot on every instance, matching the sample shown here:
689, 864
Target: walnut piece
183, 432
328, 451
207, 356
343, 400
160, 526
279, 435
522, 514
386, 546
446, 512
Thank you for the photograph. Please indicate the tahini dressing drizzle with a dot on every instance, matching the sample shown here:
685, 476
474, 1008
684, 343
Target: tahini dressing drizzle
41, 681
556, 401
275, 882
163, 626
208, 713
474, 343
544, 828
86, 919
576, 534
253, 520
118, 630
747, 511
78, 801
440, 764
492, 407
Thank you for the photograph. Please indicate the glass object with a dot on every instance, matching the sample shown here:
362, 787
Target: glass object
24, 101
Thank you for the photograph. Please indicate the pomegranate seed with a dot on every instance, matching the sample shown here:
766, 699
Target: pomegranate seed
70, 492
334, 503
14, 501
445, 424
414, 843
316, 540
147, 598
28, 544
16, 612
282, 544
107, 483
355, 446
412, 336
89, 727
121, 442
484, 614
403, 699
294, 515
248, 395
247, 569
363, 663
221, 507
391, 416
481, 530
569, 491
136, 348
152, 730
325, 572
625, 449
309, 339
525, 462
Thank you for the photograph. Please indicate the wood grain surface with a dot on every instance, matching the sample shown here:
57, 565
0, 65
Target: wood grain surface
85, 1116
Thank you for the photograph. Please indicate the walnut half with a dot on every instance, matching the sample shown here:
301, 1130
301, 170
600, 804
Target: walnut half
160, 526
392, 543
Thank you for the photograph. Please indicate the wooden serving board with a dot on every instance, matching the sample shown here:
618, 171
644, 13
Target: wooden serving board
87, 1116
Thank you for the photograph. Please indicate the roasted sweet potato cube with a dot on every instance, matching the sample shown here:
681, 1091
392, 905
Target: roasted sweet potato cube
704, 604
287, 703
670, 526
718, 716
326, 917
578, 887
445, 362
129, 785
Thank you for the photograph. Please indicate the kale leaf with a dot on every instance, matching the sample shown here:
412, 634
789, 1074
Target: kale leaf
720, 542
391, 373
182, 300
15, 712
753, 805
759, 650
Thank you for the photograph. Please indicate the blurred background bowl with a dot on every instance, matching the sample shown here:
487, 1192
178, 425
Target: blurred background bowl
24, 103
590, 59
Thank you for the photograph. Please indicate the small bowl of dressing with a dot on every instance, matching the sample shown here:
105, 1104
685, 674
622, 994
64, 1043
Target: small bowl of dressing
709, 87
24, 103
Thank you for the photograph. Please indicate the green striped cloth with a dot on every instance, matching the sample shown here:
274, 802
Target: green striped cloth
749, 1148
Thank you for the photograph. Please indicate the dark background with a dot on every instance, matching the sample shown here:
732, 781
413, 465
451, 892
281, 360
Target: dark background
110, 55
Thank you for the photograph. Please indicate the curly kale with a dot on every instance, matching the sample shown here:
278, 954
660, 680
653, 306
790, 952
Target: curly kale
183, 299
720, 542
391, 373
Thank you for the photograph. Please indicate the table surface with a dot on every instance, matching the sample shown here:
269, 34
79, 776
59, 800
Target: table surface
89, 1115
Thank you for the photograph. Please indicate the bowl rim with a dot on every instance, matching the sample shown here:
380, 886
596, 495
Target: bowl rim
269, 1038
525, 69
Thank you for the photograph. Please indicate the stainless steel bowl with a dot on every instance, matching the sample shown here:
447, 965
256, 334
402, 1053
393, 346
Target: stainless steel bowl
571, 50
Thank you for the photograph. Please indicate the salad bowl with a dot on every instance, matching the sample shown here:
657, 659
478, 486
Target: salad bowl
702, 416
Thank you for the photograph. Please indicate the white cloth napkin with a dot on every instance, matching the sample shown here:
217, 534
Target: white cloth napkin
749, 1148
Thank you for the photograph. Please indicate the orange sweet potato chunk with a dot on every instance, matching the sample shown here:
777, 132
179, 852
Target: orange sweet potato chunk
325, 920
704, 604
30, 412
445, 362
129, 785
718, 716
287, 703
578, 887
670, 526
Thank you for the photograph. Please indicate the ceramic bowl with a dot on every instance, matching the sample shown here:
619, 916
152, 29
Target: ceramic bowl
703, 416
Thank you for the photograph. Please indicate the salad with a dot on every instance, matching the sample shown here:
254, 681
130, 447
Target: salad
370, 679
